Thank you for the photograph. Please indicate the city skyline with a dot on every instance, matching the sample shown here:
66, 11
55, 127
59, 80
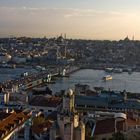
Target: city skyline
88, 19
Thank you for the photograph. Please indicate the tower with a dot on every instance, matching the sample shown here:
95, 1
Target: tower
65, 47
68, 101
133, 38
68, 120
80, 132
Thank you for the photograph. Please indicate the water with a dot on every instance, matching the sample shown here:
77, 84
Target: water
87, 76
93, 78
8, 74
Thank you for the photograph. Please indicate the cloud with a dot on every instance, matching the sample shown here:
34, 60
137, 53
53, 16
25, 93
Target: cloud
35, 20
65, 12
92, 13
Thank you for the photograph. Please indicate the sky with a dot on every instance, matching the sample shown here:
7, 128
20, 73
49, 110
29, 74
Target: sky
84, 19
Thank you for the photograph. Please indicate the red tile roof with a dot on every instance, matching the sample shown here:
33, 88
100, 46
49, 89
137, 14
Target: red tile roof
4, 115
130, 121
10, 122
107, 126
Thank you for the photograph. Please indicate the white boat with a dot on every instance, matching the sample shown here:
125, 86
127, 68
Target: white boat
107, 77
108, 70
117, 70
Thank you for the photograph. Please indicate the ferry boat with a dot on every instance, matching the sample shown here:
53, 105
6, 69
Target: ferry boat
107, 77
117, 70
108, 70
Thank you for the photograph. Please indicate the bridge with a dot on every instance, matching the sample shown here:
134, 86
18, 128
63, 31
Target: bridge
36, 79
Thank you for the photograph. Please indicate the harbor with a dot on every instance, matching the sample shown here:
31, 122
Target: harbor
120, 81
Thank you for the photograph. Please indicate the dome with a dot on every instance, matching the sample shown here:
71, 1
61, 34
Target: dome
8, 56
70, 92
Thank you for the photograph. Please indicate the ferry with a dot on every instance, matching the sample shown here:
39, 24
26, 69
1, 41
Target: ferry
108, 70
107, 77
117, 70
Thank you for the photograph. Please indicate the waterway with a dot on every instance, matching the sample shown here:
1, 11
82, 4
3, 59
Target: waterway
121, 81
91, 77
8, 73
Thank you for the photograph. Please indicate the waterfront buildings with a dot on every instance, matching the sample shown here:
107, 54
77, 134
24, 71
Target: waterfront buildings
107, 101
96, 53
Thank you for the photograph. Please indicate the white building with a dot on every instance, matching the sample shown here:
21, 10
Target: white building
4, 98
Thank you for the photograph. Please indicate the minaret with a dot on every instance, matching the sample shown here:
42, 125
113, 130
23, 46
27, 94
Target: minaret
133, 38
124, 96
67, 119
65, 46
68, 101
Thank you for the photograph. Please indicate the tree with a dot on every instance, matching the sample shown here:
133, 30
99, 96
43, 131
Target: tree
38, 120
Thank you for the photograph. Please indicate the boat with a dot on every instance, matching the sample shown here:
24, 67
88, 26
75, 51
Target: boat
129, 71
108, 70
117, 70
107, 77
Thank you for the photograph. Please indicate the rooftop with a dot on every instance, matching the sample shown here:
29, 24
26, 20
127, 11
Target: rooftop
46, 101
117, 102
128, 104
107, 126
10, 122
42, 128
91, 100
